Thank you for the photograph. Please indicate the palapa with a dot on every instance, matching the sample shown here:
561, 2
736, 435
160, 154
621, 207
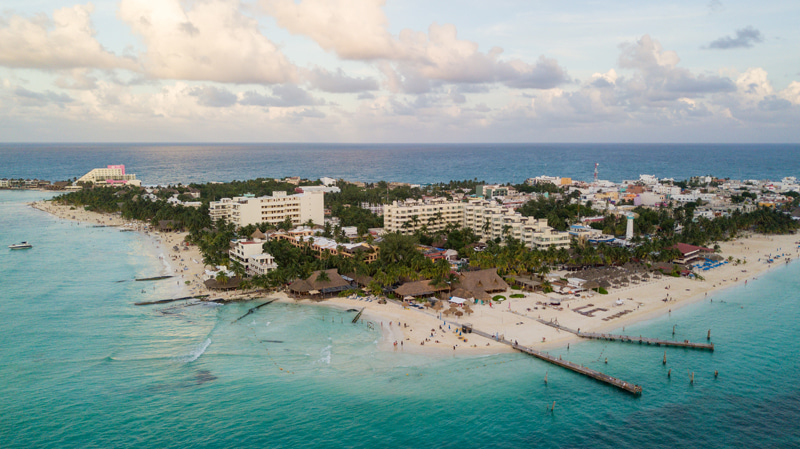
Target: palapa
419, 288
334, 284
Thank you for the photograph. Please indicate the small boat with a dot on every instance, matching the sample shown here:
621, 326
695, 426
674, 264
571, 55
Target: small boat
23, 245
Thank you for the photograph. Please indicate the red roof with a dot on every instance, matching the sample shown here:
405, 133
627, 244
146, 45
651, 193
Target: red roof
686, 248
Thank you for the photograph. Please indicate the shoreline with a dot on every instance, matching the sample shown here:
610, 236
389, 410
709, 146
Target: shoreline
513, 318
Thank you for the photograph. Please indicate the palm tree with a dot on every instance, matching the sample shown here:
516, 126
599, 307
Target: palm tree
238, 269
323, 277
222, 278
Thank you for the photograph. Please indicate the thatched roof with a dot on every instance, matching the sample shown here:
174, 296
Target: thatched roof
362, 280
257, 234
232, 283
419, 288
590, 285
485, 281
604, 284
168, 225
311, 283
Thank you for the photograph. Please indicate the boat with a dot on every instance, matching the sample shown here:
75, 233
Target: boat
23, 245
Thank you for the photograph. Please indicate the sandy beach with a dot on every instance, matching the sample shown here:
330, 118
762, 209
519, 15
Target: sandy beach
422, 331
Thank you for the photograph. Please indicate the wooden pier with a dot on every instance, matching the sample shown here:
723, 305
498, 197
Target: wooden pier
629, 339
580, 369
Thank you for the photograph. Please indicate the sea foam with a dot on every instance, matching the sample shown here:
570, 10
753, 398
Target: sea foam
198, 351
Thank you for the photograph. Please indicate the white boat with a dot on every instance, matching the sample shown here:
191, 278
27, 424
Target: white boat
23, 245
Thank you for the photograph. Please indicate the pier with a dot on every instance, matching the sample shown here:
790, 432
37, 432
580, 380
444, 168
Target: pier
628, 387
629, 339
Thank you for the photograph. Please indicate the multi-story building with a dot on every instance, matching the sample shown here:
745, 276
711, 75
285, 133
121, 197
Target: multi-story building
245, 210
111, 175
492, 221
250, 254
486, 218
411, 215
490, 191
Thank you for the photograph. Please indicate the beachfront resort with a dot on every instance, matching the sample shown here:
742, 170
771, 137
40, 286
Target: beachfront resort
464, 266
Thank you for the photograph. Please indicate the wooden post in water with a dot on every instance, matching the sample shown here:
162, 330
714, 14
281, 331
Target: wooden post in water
673, 329
665, 357
716, 373
606, 360
545, 377
553, 409
709, 335
669, 373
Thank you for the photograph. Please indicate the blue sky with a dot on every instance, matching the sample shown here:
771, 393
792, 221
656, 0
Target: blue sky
399, 71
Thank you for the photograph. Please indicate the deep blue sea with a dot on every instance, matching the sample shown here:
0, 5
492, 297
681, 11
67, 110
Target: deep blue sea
81, 366
417, 163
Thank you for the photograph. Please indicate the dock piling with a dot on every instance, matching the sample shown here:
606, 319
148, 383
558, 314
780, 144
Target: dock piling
665, 357
709, 335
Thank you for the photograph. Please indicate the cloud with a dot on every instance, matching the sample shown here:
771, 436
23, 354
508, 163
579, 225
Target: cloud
214, 97
745, 38
658, 78
354, 29
440, 56
76, 79
48, 96
64, 42
413, 61
212, 41
283, 96
715, 6
338, 82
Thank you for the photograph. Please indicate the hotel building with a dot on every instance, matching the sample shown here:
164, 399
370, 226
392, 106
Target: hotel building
250, 254
246, 210
487, 219
111, 175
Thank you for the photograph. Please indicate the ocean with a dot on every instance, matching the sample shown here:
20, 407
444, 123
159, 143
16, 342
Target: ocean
416, 163
81, 366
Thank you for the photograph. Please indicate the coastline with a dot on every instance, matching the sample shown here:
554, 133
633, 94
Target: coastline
512, 318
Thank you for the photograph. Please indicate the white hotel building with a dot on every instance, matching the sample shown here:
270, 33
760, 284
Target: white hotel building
246, 210
111, 175
250, 254
487, 219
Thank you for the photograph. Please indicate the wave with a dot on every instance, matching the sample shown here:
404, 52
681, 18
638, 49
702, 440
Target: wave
325, 355
194, 355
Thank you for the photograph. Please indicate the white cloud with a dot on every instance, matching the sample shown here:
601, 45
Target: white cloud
338, 82
212, 41
412, 61
64, 42
354, 29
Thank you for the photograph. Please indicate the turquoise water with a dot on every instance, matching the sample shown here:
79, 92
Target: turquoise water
81, 366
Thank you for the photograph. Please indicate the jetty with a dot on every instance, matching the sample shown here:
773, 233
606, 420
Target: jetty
358, 315
254, 309
155, 278
627, 387
165, 301
628, 339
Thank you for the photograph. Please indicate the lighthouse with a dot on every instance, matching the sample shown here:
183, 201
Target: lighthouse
629, 230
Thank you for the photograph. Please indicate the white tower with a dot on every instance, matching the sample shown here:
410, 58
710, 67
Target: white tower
629, 230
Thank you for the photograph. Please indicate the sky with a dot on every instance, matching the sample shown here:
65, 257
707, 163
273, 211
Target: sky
366, 71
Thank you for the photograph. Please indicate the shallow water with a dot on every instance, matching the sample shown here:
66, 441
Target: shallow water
83, 367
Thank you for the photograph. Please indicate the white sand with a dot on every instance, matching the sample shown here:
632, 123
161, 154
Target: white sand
511, 318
